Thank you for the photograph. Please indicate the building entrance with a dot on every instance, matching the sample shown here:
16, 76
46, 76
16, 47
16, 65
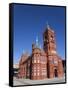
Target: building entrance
55, 73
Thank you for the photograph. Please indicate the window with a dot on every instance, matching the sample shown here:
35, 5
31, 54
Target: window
52, 36
34, 70
38, 70
43, 59
50, 57
53, 51
38, 55
55, 62
52, 62
38, 61
38, 67
34, 61
44, 71
34, 67
34, 74
38, 73
45, 37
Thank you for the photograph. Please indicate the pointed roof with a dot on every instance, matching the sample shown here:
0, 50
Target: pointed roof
48, 28
37, 41
47, 25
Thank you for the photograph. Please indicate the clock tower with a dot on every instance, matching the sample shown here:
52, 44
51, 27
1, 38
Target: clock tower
49, 43
49, 46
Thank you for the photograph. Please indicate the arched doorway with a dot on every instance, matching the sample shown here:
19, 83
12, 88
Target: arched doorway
55, 73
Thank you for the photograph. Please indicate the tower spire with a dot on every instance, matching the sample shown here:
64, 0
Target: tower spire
37, 41
47, 24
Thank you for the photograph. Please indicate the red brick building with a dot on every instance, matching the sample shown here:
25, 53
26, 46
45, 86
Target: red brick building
42, 63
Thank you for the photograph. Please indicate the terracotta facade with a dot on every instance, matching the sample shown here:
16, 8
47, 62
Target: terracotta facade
42, 63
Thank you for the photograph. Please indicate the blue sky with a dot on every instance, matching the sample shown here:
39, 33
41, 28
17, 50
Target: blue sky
30, 22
